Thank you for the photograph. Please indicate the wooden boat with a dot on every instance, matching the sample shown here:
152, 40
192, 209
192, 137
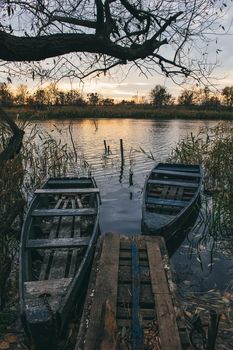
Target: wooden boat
171, 195
57, 245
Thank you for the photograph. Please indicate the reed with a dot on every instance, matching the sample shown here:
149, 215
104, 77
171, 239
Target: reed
213, 149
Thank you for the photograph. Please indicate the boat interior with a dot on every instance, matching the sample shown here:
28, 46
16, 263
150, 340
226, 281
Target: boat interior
171, 187
62, 223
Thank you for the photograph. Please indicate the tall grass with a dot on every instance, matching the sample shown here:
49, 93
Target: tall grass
213, 149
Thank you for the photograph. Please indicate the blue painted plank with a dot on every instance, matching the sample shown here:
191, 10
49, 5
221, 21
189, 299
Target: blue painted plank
174, 183
173, 172
166, 202
137, 330
64, 212
180, 167
70, 191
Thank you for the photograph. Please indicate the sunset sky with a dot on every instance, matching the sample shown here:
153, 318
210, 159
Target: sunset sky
126, 82
120, 86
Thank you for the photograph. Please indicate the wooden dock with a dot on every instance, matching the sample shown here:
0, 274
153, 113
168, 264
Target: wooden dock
131, 298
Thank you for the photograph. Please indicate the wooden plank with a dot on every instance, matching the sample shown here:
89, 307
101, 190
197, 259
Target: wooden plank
127, 262
69, 181
168, 329
52, 234
171, 194
43, 299
60, 258
124, 295
137, 331
127, 324
51, 287
67, 191
64, 212
125, 275
166, 202
75, 203
126, 254
173, 183
125, 313
105, 289
126, 244
180, 192
176, 173
180, 167
57, 243
164, 192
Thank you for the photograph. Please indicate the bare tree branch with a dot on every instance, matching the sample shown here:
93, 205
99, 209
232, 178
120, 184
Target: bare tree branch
117, 30
100, 17
75, 21
38, 48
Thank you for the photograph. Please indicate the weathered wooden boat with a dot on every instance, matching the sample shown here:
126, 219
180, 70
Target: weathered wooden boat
171, 195
57, 246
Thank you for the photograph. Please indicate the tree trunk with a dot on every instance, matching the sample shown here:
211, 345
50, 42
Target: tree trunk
15, 142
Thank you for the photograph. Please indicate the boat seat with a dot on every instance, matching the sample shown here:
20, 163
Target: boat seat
176, 173
69, 182
57, 243
70, 191
50, 287
166, 202
173, 183
179, 168
64, 212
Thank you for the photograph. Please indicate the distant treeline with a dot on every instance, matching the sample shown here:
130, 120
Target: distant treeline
159, 96
145, 111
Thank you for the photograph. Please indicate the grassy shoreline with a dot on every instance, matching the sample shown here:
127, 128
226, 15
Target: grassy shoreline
137, 111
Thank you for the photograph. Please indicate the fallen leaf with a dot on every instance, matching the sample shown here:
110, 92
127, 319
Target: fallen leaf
225, 300
4, 345
10, 338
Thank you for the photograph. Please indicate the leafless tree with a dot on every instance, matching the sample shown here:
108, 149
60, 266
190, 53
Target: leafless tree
83, 37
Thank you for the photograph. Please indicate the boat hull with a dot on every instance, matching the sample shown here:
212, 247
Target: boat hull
59, 235
171, 198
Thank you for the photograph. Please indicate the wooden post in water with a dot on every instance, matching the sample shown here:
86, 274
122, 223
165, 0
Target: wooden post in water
130, 177
131, 173
105, 147
122, 152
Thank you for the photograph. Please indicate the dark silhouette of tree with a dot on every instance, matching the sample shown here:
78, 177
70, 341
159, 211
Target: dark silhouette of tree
93, 99
107, 102
160, 96
84, 37
74, 97
213, 102
187, 98
127, 102
6, 96
227, 94
39, 98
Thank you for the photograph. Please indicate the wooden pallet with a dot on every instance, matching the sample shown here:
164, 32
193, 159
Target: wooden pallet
129, 297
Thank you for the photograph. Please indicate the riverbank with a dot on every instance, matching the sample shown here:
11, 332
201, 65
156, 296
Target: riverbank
116, 111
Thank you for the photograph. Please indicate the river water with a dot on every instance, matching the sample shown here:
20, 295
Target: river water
200, 266
145, 142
